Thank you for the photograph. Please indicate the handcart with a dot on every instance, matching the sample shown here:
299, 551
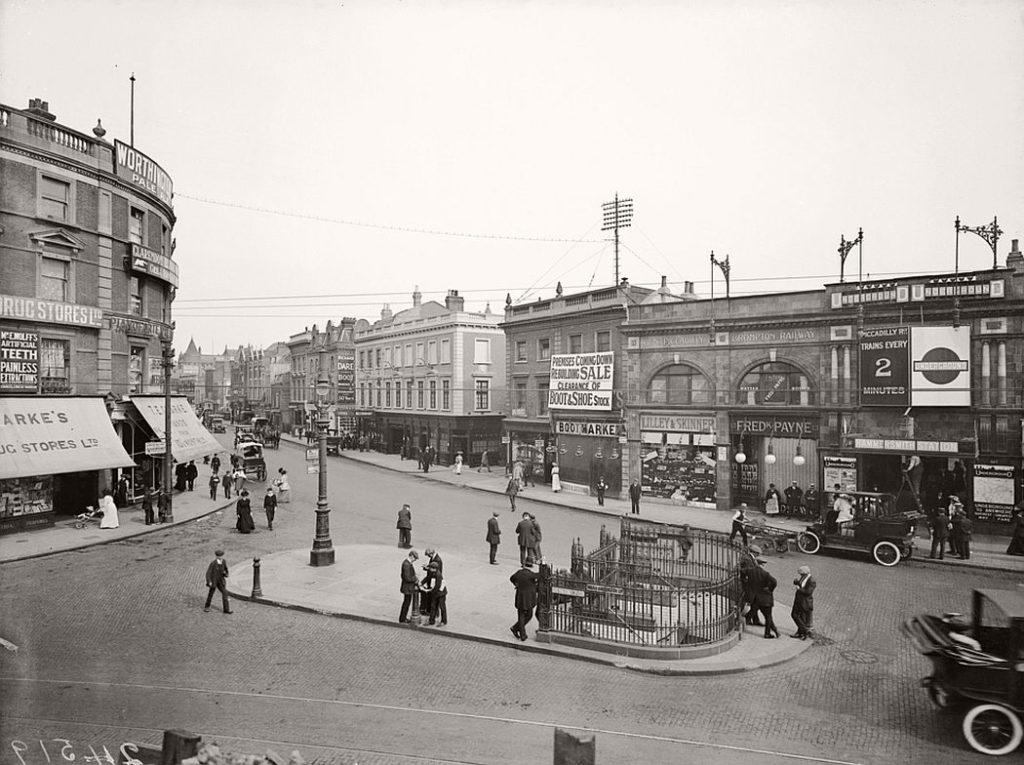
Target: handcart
769, 537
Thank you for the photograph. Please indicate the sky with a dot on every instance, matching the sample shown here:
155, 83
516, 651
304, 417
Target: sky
328, 158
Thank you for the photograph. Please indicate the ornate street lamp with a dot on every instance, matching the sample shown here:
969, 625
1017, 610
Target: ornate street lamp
322, 553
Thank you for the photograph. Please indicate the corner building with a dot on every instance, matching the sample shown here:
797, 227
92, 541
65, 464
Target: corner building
847, 384
87, 280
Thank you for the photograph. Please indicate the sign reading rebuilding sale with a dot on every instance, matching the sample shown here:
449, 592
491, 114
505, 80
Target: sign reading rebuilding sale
581, 381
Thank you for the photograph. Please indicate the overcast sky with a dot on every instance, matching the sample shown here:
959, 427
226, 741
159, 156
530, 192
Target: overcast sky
759, 129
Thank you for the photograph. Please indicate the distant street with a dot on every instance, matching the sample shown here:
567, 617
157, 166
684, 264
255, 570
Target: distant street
114, 646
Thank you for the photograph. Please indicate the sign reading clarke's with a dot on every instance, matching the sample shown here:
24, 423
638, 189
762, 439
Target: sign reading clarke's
581, 381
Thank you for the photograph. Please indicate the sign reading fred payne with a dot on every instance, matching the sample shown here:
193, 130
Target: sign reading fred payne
581, 381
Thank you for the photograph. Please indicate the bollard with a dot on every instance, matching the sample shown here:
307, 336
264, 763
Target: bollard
179, 745
257, 592
414, 618
574, 748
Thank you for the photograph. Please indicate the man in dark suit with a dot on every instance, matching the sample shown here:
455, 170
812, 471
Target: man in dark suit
493, 536
404, 527
764, 598
527, 537
216, 579
635, 493
803, 602
433, 556
525, 581
409, 584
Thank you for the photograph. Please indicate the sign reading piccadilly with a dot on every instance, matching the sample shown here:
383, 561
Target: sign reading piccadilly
576, 428
581, 381
49, 311
138, 169
19, 360
884, 368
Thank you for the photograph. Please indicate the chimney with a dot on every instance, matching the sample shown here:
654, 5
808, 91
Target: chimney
417, 298
688, 288
453, 302
385, 312
1014, 258
40, 108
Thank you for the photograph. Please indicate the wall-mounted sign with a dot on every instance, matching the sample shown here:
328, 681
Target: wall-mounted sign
993, 492
940, 365
577, 428
50, 311
885, 366
907, 445
581, 381
139, 170
346, 376
840, 470
153, 263
679, 423
139, 327
779, 425
19, 360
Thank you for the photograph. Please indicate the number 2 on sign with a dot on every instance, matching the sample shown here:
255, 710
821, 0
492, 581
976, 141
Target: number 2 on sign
882, 367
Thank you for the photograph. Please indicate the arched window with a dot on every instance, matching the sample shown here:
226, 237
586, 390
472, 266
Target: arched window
775, 384
679, 384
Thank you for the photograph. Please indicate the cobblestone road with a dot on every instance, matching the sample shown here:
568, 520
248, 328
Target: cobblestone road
114, 645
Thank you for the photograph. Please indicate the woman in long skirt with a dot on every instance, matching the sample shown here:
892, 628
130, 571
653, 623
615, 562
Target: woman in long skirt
243, 509
284, 489
556, 482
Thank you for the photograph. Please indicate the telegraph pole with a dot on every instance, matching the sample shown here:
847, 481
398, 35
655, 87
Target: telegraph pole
617, 214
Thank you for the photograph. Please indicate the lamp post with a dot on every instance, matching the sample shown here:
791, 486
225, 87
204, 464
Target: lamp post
322, 553
167, 516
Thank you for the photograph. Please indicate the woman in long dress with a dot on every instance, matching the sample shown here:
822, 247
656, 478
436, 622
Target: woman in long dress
243, 508
109, 509
284, 489
556, 482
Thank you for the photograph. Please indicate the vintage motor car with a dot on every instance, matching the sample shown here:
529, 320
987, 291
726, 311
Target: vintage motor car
864, 521
217, 424
250, 454
977, 668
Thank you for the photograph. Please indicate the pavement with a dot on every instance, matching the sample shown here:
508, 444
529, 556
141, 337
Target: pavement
365, 589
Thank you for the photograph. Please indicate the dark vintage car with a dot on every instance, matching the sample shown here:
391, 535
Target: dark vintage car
250, 454
978, 667
217, 424
864, 521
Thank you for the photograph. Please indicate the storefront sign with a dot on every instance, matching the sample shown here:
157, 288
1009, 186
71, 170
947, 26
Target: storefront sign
906, 445
885, 366
50, 311
779, 426
678, 423
940, 366
189, 439
993, 492
773, 336
347, 376
156, 448
581, 381
139, 170
576, 428
679, 340
840, 470
153, 263
19, 361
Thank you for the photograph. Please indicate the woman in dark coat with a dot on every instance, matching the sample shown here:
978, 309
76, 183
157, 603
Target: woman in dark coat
243, 509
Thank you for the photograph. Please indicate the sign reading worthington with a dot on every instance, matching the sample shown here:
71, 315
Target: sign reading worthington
581, 381
49, 311
139, 170
19, 360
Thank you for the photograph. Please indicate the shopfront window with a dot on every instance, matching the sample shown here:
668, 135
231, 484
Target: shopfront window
54, 365
775, 384
679, 384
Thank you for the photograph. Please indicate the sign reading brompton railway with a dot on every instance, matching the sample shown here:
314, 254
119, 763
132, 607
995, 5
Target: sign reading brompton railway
49, 311
581, 381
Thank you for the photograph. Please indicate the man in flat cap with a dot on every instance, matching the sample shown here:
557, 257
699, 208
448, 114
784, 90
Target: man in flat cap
216, 579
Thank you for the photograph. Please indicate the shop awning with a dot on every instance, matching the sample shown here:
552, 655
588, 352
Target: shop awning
42, 436
189, 439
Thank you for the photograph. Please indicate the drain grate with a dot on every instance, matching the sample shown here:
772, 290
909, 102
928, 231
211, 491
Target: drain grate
857, 656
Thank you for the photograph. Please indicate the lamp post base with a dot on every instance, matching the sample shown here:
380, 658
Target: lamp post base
321, 557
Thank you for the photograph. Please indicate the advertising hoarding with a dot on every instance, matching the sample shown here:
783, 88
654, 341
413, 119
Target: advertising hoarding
885, 366
19, 360
581, 381
940, 366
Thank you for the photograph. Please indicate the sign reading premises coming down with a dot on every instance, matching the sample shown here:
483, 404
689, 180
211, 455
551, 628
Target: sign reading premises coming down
581, 381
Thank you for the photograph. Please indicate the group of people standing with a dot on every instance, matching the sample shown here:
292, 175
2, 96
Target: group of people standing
759, 596
432, 589
953, 527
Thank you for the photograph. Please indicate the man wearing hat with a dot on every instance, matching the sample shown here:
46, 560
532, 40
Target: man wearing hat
803, 602
794, 499
764, 598
525, 581
216, 579
270, 507
527, 537
409, 583
435, 593
493, 536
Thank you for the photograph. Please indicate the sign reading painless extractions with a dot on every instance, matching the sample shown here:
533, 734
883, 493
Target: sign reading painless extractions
581, 381
19, 360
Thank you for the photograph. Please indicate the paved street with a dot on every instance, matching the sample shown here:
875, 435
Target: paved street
113, 646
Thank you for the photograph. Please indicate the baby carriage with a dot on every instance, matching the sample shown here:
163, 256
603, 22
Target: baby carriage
91, 515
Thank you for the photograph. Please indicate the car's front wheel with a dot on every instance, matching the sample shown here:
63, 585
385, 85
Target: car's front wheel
808, 542
886, 553
992, 729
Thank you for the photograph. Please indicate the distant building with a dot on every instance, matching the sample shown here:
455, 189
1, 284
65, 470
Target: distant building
335, 345
206, 375
432, 375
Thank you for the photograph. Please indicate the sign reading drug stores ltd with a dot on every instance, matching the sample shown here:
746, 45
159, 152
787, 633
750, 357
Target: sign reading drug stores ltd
581, 381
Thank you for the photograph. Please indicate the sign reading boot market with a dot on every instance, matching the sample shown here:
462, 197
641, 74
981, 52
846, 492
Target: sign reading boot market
581, 381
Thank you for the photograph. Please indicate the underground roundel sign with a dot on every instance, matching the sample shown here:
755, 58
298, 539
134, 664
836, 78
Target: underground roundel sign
940, 366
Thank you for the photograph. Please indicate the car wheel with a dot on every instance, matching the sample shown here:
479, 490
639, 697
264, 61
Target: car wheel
992, 729
886, 553
808, 542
